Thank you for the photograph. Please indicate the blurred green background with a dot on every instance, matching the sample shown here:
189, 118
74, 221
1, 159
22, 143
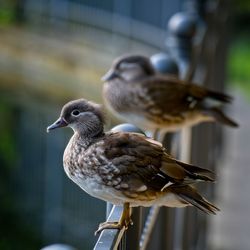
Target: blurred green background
239, 53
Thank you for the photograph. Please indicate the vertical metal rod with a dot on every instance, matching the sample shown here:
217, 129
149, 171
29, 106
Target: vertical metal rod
133, 234
178, 228
148, 227
185, 155
109, 207
185, 141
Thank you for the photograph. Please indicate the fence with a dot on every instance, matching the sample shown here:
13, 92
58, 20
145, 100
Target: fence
200, 56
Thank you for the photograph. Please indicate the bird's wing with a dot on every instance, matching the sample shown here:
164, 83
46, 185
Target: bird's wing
169, 95
139, 164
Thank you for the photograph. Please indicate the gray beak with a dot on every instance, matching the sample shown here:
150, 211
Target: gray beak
110, 75
57, 124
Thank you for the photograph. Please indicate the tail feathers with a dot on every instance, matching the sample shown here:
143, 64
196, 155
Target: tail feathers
197, 173
219, 116
191, 196
219, 96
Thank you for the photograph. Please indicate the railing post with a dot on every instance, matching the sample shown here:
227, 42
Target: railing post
164, 63
134, 232
179, 43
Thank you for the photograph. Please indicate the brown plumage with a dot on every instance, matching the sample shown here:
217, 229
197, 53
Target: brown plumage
136, 93
125, 168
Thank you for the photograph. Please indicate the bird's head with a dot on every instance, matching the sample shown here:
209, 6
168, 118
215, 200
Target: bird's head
129, 67
84, 117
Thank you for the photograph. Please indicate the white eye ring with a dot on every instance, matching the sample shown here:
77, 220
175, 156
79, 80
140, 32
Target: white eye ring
75, 112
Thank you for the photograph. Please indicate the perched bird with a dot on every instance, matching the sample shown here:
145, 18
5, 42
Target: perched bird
125, 168
134, 92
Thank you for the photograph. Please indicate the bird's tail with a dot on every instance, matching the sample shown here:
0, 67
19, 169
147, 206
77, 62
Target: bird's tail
219, 96
192, 197
219, 116
197, 173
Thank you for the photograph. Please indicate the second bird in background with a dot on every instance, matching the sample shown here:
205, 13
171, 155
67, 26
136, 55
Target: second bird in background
135, 92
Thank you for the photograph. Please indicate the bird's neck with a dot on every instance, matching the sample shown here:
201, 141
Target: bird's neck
86, 140
88, 131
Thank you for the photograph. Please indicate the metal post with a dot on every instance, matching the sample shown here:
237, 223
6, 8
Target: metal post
182, 28
134, 232
149, 226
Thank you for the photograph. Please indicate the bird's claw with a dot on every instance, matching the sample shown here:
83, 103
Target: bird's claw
108, 225
113, 225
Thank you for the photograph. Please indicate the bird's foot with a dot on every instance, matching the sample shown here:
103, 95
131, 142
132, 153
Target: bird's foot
125, 221
108, 225
114, 225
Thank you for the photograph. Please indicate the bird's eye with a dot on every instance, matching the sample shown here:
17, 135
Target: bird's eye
75, 112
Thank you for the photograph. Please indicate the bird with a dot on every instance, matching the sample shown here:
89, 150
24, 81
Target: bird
133, 91
125, 168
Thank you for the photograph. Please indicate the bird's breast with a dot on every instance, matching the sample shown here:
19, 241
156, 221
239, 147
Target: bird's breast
85, 168
117, 96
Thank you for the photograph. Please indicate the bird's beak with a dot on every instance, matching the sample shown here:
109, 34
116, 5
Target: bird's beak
110, 75
57, 124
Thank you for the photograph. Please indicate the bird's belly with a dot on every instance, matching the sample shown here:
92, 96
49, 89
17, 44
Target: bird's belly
94, 187
189, 119
168, 124
167, 199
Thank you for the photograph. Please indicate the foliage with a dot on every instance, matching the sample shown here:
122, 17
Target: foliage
7, 12
239, 54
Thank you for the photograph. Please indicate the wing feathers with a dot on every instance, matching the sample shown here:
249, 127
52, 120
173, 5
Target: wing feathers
197, 172
191, 196
145, 170
219, 116
136, 154
219, 96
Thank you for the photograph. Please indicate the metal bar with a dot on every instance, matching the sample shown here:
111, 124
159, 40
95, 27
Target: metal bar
109, 207
133, 233
186, 147
149, 225
110, 238
185, 156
